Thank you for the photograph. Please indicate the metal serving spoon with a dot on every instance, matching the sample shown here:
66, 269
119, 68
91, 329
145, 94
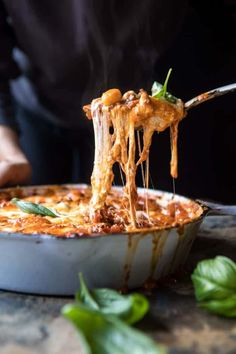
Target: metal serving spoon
209, 95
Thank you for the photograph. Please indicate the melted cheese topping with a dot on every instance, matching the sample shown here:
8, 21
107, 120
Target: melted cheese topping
115, 120
73, 205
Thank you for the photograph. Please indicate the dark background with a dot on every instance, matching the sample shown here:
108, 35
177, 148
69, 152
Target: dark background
197, 38
203, 56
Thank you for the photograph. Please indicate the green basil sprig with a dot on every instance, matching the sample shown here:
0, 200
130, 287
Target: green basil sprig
130, 308
214, 282
160, 91
108, 334
103, 317
33, 208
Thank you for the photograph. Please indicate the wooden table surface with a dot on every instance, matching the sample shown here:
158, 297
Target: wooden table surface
33, 324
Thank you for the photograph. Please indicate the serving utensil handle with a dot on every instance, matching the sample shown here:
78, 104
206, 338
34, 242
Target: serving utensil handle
218, 209
209, 95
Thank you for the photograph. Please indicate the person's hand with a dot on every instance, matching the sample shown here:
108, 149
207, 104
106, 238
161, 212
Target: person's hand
14, 166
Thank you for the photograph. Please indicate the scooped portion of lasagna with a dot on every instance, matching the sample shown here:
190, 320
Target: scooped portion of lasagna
116, 119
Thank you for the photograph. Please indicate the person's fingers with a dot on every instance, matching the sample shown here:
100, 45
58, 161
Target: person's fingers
14, 166
5, 172
22, 173
14, 173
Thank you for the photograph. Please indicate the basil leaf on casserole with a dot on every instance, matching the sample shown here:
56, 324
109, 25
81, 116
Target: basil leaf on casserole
33, 208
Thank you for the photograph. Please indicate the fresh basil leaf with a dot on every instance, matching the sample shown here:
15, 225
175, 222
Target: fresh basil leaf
224, 307
166, 82
156, 89
84, 296
214, 282
215, 279
160, 91
33, 208
130, 308
107, 334
138, 310
169, 97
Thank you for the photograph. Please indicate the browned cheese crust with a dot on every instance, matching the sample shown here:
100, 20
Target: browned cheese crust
73, 205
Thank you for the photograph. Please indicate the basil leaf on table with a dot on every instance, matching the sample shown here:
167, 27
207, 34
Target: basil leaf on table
225, 307
33, 208
160, 91
107, 334
130, 308
214, 282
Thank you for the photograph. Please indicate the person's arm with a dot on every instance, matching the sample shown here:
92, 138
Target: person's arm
14, 167
8, 70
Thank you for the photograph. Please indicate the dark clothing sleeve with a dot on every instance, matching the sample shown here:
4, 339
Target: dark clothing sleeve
8, 70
